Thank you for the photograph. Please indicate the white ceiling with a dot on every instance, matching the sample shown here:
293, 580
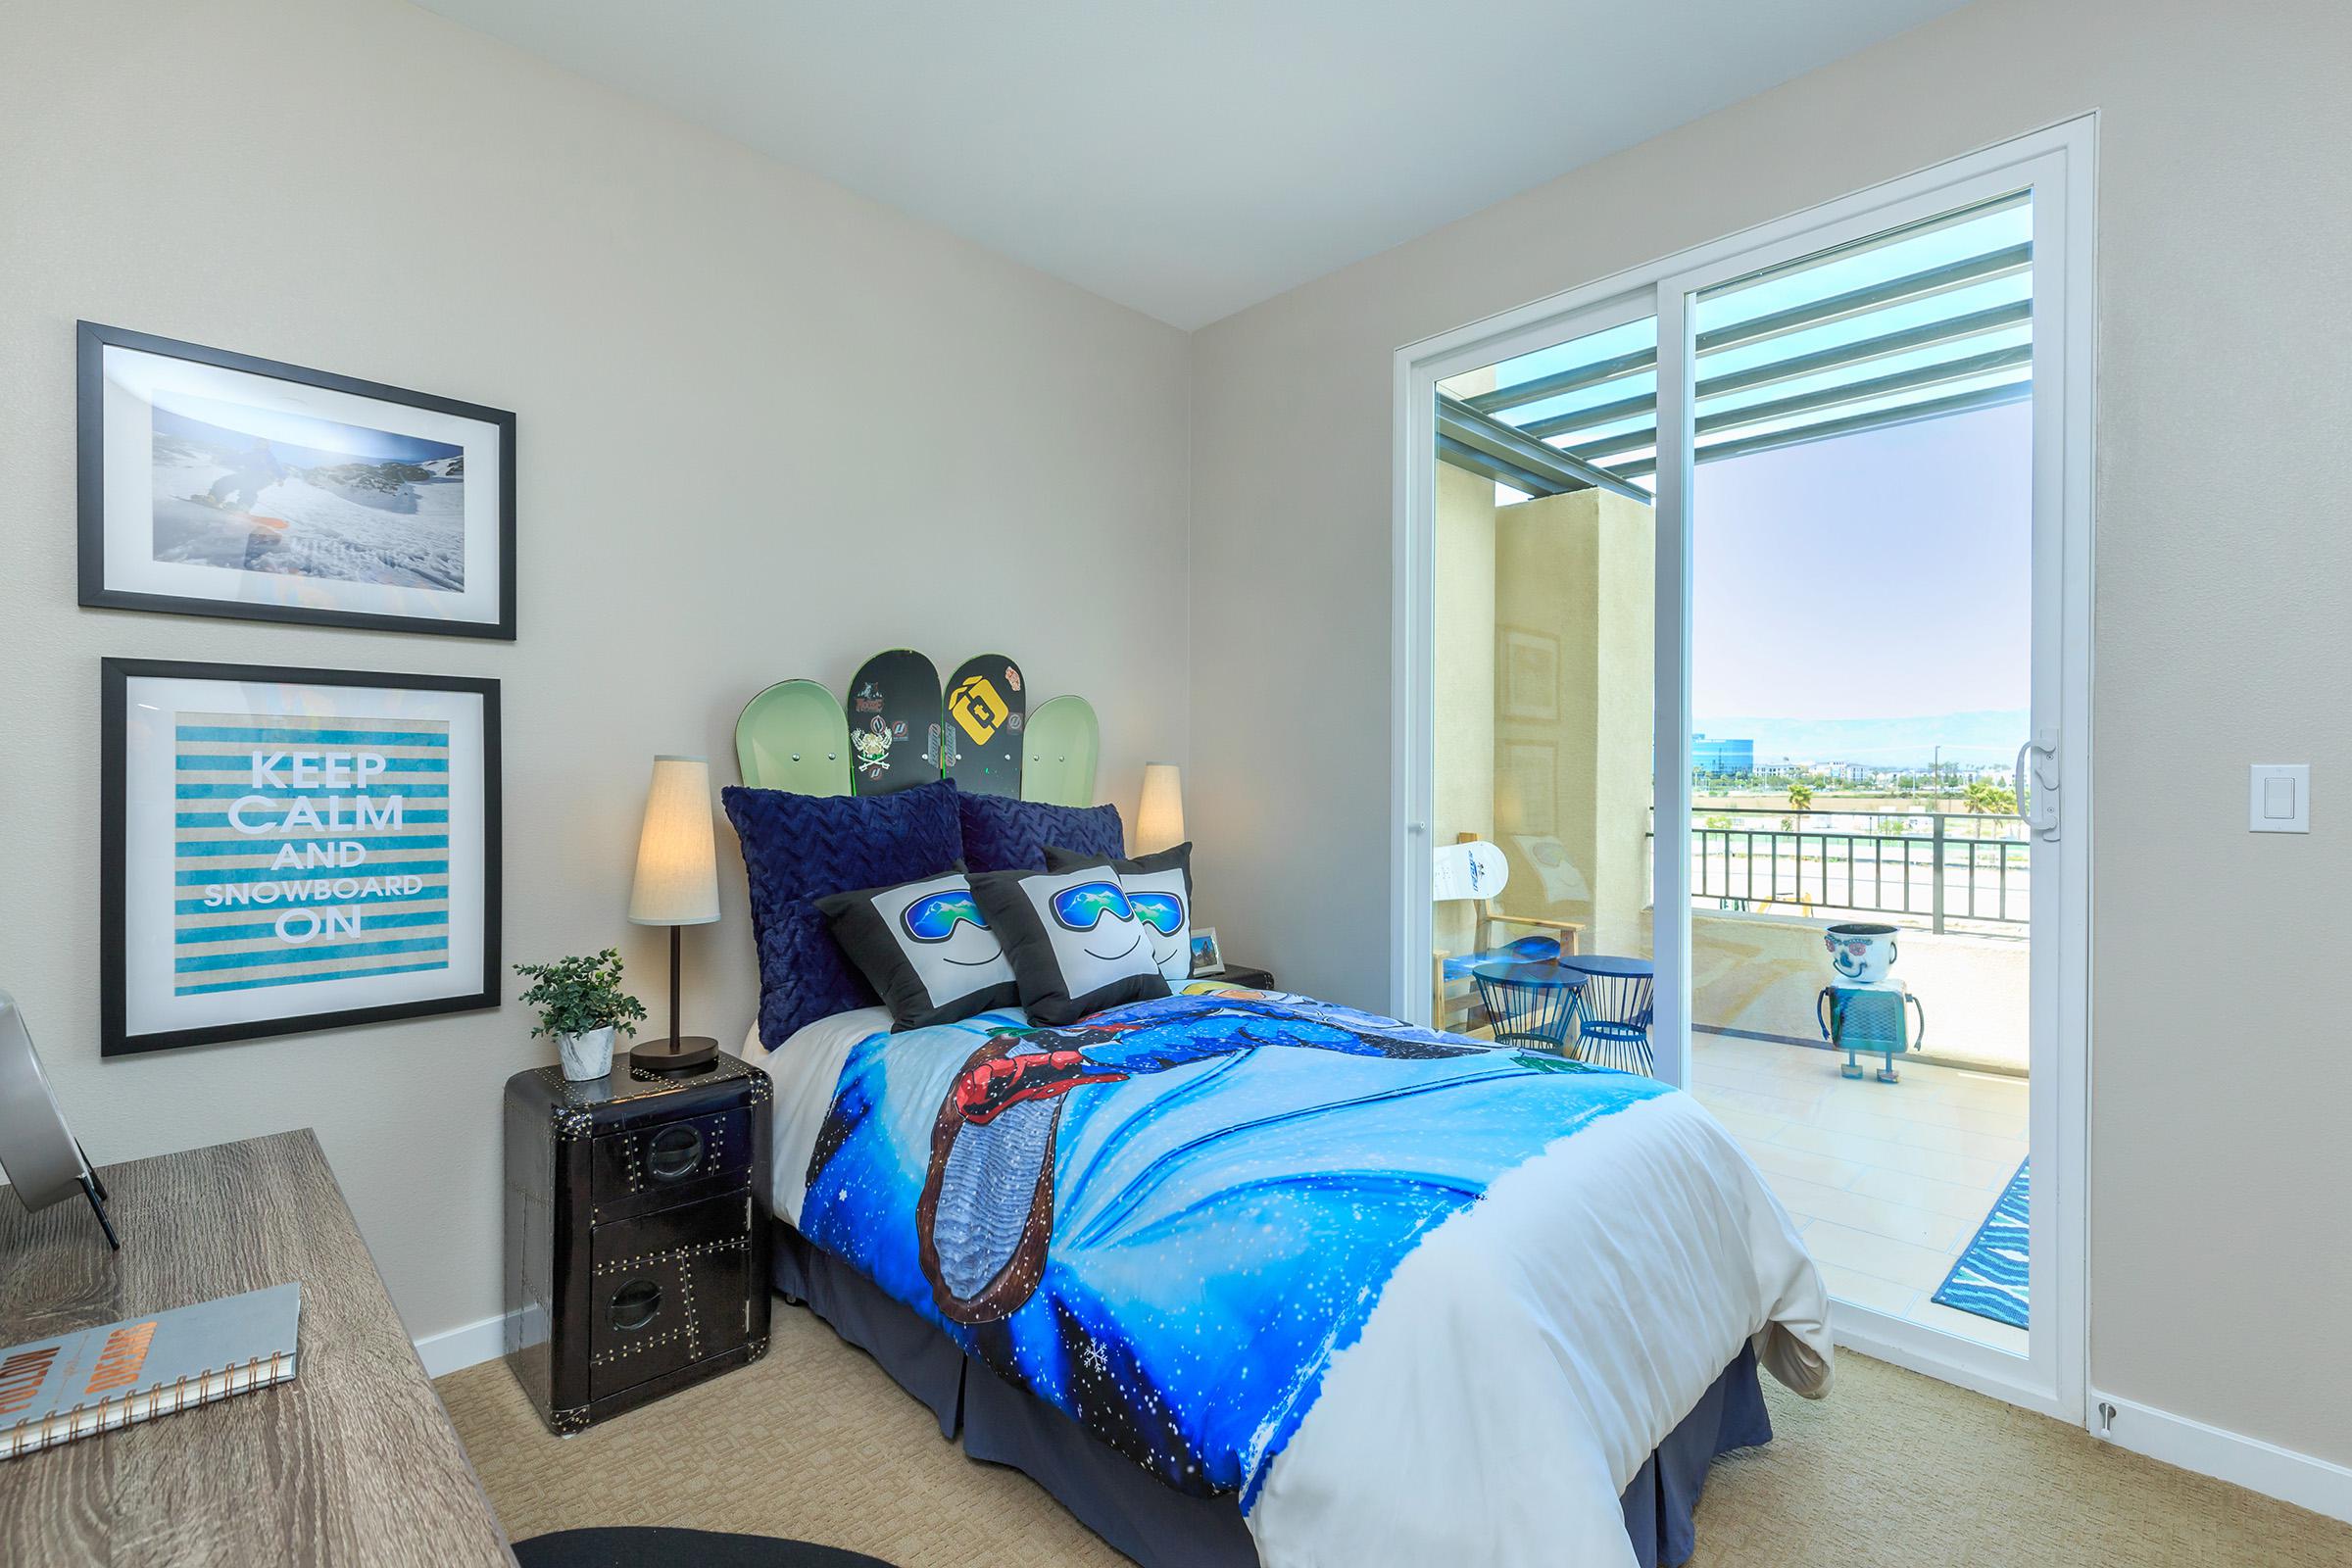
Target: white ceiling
1191, 157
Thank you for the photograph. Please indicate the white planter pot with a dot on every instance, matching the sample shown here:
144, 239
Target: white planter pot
586, 1057
1861, 953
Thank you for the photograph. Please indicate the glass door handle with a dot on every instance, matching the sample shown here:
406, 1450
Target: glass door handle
2045, 742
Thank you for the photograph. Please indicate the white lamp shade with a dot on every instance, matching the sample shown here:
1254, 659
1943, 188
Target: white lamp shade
677, 853
1160, 815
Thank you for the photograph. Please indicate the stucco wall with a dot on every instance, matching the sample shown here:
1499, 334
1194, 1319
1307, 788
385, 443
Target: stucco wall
1572, 627
1463, 799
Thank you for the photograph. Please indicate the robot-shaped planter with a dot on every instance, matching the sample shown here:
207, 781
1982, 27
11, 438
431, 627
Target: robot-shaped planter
1865, 1010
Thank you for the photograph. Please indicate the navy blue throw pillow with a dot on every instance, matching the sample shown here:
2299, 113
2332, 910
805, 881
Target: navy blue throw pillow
1008, 835
798, 849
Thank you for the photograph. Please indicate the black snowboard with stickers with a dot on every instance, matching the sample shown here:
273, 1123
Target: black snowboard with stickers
895, 729
985, 709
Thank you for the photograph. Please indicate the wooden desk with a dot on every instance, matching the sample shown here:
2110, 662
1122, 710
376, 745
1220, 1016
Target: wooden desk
354, 1461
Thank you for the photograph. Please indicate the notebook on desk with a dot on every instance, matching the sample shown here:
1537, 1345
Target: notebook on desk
100, 1379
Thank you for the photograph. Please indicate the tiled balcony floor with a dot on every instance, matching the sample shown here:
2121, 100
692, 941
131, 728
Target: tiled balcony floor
1887, 1182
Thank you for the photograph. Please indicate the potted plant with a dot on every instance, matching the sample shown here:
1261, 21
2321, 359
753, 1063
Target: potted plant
581, 1004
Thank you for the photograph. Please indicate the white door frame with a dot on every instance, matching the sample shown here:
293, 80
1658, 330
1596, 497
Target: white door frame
2058, 163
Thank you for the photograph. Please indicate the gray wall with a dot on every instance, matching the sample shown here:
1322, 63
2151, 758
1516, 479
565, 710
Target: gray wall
765, 428
2220, 1238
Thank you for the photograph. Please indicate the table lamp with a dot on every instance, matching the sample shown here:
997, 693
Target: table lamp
676, 885
1160, 814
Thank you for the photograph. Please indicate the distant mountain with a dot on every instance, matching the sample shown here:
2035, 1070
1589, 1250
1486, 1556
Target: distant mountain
1980, 737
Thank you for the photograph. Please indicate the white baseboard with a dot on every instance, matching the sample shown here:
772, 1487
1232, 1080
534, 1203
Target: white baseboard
2249, 1463
467, 1344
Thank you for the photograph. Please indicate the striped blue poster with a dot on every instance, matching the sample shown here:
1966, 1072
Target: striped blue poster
308, 849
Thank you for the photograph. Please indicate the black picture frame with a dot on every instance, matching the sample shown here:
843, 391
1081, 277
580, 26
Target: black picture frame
115, 678
92, 339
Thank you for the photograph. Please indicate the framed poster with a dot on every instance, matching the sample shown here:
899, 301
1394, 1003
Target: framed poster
219, 484
1531, 676
288, 850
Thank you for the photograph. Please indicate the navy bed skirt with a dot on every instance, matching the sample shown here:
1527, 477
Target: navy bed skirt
1160, 1528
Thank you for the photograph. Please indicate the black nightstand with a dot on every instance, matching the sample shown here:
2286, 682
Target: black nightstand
636, 1241
1235, 974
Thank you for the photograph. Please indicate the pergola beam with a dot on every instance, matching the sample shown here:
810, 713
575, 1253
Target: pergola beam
1933, 334
1992, 396
1555, 471
1938, 375
1926, 285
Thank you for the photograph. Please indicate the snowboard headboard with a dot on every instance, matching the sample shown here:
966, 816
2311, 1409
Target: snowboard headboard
795, 736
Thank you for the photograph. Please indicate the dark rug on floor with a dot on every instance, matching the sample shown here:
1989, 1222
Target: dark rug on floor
633, 1547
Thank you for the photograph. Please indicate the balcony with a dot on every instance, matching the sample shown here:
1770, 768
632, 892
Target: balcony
1889, 1183
1765, 884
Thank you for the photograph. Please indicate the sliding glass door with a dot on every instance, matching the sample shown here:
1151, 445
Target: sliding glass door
1744, 617
1860, 650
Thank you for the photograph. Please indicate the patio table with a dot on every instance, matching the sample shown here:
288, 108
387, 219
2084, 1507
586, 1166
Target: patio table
1614, 1010
1529, 1003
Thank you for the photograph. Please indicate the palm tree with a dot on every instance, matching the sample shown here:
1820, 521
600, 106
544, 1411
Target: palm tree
1801, 797
1989, 798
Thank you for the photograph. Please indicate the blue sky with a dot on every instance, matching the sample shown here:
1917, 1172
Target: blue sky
299, 437
1878, 575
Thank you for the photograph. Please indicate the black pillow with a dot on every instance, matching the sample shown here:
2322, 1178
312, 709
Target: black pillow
1075, 944
1159, 887
925, 947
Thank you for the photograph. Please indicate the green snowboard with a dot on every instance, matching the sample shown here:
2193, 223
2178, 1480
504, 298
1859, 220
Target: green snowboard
793, 736
1060, 743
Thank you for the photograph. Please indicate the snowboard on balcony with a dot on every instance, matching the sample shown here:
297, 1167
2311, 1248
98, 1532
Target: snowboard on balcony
894, 716
1473, 871
986, 714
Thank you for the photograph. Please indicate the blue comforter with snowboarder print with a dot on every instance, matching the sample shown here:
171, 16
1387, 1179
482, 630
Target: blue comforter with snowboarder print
1167, 1219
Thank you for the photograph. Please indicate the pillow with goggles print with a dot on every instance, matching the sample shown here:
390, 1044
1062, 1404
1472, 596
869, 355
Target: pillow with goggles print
926, 949
1159, 889
1074, 938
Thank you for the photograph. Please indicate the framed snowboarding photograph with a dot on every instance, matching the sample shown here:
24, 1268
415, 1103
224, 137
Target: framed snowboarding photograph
1208, 958
219, 484
289, 850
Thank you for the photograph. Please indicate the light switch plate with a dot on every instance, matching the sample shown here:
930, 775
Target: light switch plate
2279, 798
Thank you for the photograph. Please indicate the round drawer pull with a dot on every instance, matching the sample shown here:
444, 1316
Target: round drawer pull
634, 1305
676, 1151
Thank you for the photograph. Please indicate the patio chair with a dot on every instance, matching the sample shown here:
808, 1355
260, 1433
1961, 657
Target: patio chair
1461, 1011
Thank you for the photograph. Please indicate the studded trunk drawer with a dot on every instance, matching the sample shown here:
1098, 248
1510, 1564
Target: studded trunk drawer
668, 1290
651, 1167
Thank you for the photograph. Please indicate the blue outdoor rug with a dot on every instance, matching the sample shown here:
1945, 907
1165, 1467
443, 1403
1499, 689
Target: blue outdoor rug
1989, 1277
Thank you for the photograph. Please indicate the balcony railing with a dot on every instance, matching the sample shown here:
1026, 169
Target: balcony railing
1926, 866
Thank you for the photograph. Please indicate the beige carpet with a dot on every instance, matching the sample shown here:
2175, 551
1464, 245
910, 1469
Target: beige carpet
814, 1441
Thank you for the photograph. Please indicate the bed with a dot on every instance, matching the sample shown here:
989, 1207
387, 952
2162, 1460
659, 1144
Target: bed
1241, 1277
1245, 1277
